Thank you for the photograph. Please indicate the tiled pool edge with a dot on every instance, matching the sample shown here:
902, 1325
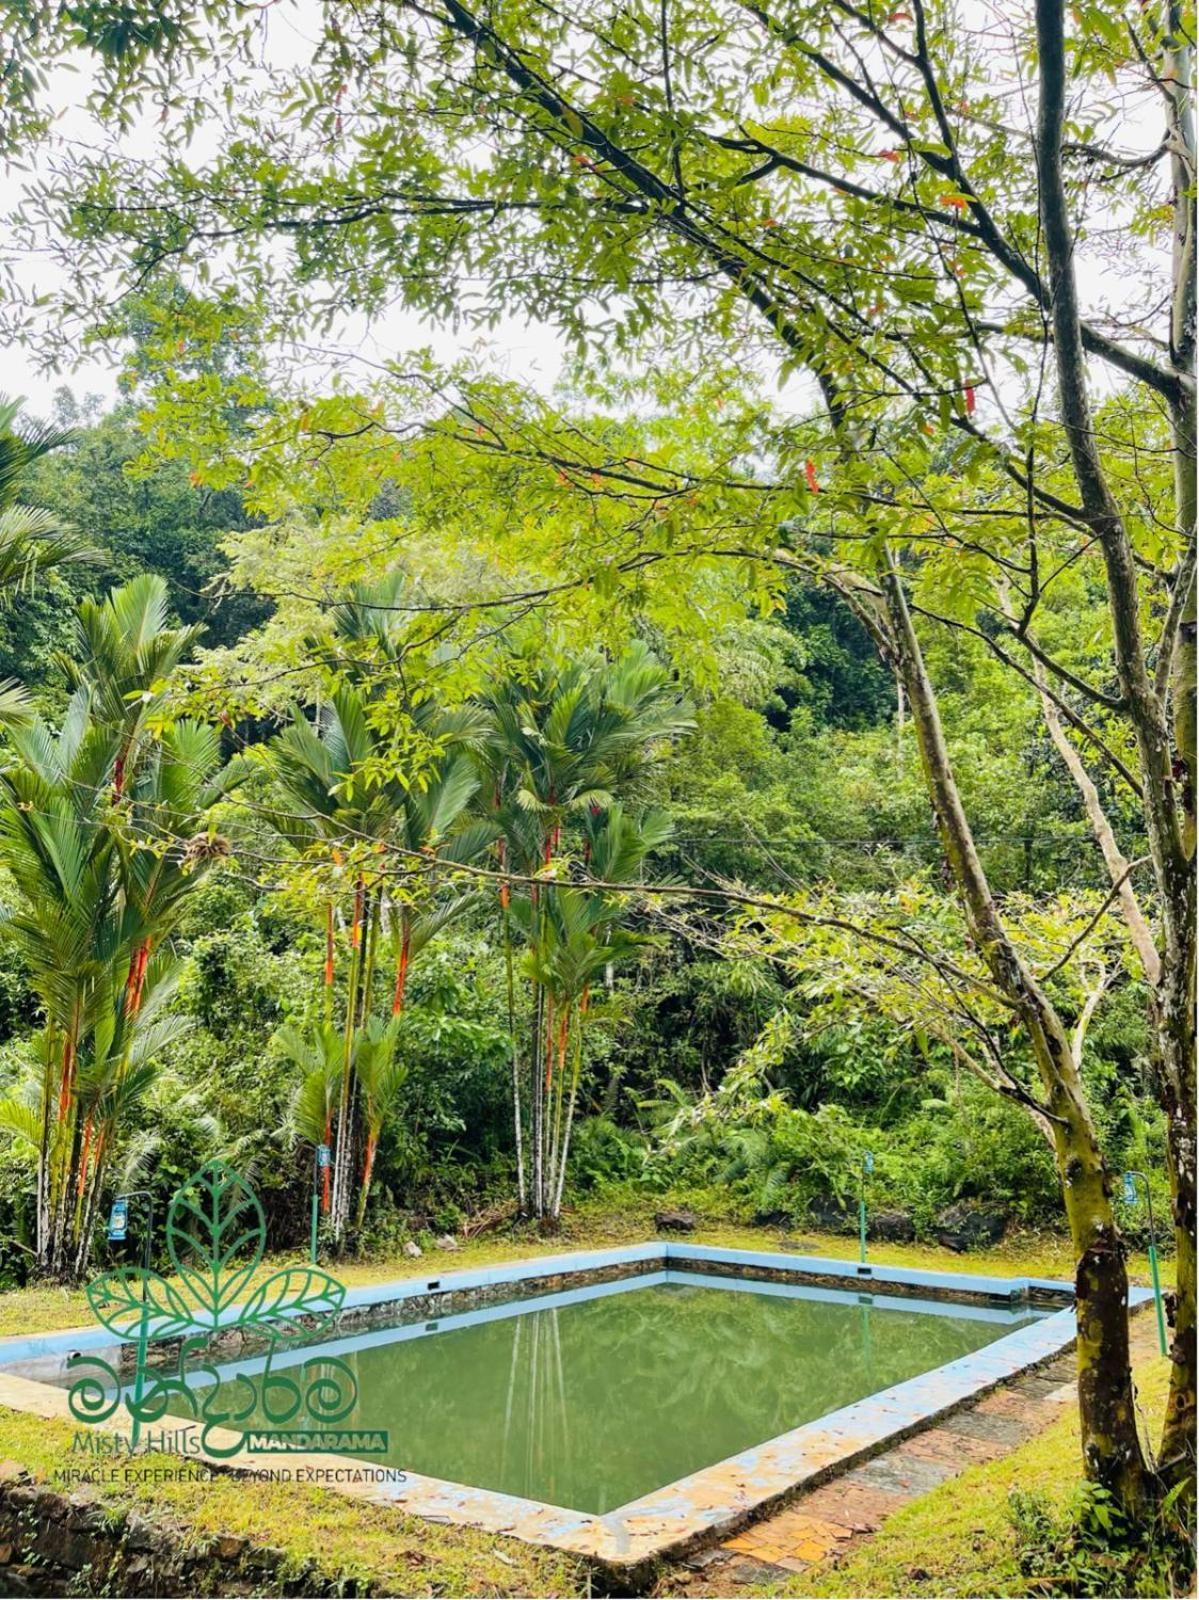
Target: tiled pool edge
425, 1297
715, 1501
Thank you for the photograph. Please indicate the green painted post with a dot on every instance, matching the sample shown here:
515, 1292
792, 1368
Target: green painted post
1130, 1196
118, 1226
143, 1331
315, 1182
867, 1169
1157, 1295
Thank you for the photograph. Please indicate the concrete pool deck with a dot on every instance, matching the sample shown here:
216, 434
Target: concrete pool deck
697, 1510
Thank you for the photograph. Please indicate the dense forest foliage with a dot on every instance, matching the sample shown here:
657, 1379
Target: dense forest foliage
697, 1065
773, 747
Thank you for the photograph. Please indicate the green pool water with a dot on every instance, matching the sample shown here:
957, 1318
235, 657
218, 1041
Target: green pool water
594, 1403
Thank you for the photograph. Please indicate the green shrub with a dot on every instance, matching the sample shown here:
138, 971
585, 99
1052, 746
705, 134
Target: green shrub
1091, 1547
603, 1153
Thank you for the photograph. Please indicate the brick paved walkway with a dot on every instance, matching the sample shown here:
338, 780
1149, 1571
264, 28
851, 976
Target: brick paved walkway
824, 1523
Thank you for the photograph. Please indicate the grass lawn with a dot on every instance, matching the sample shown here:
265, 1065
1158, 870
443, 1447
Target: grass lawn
955, 1541
395, 1553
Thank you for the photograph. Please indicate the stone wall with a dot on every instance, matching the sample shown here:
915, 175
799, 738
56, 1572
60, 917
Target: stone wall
430, 1306
873, 1281
73, 1544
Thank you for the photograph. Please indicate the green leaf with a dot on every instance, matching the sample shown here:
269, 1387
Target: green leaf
119, 1299
288, 1296
214, 1218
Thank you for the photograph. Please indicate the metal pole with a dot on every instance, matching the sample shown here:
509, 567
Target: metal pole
316, 1178
1130, 1195
1157, 1295
1153, 1272
867, 1167
143, 1326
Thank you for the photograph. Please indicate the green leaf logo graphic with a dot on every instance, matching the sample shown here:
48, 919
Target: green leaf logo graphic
116, 1300
277, 1305
214, 1218
216, 1237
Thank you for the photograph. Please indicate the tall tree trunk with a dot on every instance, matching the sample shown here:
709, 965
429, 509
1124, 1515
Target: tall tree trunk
344, 1151
368, 1168
329, 962
1167, 789
60, 1252
1177, 1448
1111, 1449
83, 1248
517, 1108
1176, 1031
401, 978
44, 1164
576, 1073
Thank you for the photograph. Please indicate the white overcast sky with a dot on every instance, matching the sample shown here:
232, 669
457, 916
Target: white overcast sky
531, 352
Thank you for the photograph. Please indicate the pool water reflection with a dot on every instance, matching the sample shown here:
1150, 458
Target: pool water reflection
594, 1397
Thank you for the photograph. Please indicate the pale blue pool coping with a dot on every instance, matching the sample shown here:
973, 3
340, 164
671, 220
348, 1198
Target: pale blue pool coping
26, 1347
350, 1343
714, 1501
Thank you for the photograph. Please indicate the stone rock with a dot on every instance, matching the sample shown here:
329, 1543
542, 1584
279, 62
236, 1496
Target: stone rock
446, 1241
831, 1215
964, 1227
139, 1534
57, 1543
412, 1250
675, 1221
893, 1227
229, 1546
11, 1471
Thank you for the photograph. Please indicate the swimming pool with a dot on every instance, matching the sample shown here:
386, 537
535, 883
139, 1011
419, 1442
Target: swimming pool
590, 1398
619, 1404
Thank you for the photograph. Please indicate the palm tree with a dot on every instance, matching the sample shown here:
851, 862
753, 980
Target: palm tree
315, 1049
69, 925
575, 938
335, 806
116, 1074
104, 828
124, 653
381, 1077
566, 739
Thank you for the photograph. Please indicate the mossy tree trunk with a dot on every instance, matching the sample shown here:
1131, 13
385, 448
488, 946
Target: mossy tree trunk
1167, 766
1111, 1450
